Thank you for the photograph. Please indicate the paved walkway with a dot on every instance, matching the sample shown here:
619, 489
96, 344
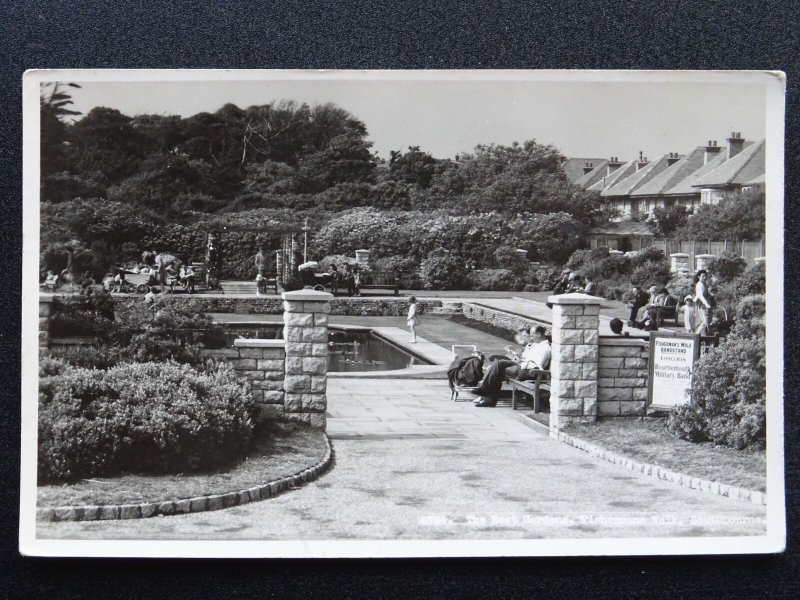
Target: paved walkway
411, 464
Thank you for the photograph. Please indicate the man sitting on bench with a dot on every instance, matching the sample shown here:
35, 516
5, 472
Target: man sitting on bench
535, 356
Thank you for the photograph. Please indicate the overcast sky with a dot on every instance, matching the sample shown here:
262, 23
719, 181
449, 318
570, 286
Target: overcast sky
592, 119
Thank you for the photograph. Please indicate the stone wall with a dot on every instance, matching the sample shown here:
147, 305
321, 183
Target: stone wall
261, 364
622, 377
498, 318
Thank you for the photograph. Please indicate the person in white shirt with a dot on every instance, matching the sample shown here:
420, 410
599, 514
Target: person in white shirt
534, 357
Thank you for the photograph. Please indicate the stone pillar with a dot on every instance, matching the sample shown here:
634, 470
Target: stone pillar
615, 252
679, 264
305, 331
362, 258
761, 260
701, 261
573, 367
262, 364
45, 309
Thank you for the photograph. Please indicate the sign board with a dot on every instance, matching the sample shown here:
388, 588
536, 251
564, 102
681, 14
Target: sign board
671, 365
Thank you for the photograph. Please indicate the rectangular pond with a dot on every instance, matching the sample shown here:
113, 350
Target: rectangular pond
349, 350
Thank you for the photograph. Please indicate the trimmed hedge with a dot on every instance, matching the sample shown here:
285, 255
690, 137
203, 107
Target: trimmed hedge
147, 418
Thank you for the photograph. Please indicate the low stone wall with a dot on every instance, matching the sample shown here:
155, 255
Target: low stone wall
622, 377
499, 318
261, 364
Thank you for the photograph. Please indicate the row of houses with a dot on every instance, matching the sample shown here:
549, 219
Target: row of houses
705, 175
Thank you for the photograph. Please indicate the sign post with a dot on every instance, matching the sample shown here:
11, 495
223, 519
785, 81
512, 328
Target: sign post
671, 365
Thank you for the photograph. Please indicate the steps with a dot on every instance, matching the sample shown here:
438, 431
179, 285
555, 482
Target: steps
448, 308
238, 287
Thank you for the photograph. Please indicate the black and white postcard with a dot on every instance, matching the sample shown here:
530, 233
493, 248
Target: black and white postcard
402, 313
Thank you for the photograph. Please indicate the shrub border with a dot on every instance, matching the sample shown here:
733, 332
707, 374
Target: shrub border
695, 483
188, 505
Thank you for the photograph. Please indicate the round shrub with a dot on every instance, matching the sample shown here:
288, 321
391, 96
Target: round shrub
150, 418
645, 255
507, 257
545, 278
751, 309
581, 257
650, 273
752, 281
727, 402
443, 271
727, 266
679, 287
494, 279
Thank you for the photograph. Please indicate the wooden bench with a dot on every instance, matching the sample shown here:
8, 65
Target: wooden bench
379, 280
533, 387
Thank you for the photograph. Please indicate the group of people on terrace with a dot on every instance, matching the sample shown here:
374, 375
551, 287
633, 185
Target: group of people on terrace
698, 309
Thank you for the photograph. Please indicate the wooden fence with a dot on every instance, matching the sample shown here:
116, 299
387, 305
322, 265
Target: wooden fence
748, 250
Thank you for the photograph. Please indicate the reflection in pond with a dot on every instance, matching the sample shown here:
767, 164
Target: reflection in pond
347, 350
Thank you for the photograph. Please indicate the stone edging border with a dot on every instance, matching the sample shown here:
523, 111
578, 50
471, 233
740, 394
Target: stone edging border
189, 505
695, 483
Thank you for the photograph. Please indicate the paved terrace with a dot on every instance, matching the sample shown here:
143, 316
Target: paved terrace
411, 464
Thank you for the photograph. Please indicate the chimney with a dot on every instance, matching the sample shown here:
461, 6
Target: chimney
735, 144
672, 158
588, 168
613, 165
711, 151
642, 162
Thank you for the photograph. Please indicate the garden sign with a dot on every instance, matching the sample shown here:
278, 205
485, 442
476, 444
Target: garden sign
672, 358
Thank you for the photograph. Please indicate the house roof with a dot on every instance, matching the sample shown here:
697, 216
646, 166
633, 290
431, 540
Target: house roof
673, 174
593, 176
573, 167
625, 170
623, 228
684, 187
626, 186
743, 167
760, 180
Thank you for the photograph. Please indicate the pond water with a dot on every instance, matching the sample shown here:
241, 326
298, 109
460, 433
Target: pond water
348, 351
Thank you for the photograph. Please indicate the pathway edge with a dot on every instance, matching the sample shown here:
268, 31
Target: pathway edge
189, 505
650, 470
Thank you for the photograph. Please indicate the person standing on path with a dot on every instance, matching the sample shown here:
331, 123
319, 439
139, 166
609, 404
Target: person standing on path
412, 320
689, 314
703, 302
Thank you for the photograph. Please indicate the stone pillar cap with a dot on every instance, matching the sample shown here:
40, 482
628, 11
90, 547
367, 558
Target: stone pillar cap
704, 255
307, 296
257, 343
574, 298
681, 254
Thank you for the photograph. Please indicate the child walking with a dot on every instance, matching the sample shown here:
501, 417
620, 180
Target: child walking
412, 319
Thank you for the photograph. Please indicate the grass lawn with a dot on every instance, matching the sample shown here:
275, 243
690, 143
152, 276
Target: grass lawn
646, 440
283, 449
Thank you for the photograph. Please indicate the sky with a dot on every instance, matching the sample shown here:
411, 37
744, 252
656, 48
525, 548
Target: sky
609, 115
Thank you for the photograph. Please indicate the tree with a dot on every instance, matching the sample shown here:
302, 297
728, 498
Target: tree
414, 167
106, 141
737, 218
665, 220
53, 108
